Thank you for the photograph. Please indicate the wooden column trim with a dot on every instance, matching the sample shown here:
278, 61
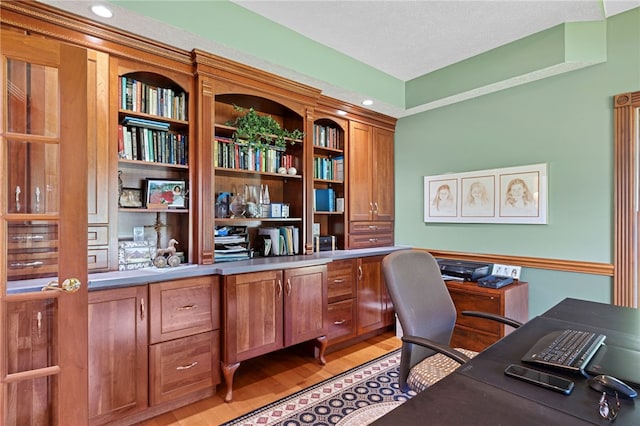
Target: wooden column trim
625, 278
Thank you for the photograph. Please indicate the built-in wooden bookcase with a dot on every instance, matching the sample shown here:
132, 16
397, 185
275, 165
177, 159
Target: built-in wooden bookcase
154, 143
249, 173
329, 141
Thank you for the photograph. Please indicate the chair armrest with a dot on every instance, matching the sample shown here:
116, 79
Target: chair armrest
443, 349
494, 317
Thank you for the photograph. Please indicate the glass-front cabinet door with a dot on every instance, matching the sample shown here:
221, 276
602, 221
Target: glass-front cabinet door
43, 232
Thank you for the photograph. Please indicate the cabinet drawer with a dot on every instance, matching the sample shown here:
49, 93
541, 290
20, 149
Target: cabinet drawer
477, 302
471, 338
98, 236
370, 240
342, 324
341, 283
183, 366
184, 307
98, 259
370, 227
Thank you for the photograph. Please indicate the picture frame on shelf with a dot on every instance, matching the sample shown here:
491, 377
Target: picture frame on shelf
135, 255
165, 193
131, 198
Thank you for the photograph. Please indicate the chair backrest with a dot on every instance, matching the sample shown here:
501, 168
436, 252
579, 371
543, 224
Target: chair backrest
421, 301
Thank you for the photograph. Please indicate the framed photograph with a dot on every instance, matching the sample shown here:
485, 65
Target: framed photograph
161, 193
131, 198
507, 195
135, 254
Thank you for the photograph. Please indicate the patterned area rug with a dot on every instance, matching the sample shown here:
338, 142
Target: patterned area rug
356, 397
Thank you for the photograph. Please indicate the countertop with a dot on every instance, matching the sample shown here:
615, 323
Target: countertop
114, 279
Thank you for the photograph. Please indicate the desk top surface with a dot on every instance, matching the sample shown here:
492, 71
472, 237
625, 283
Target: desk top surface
480, 393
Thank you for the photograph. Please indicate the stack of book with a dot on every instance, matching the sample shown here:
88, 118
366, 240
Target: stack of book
324, 200
231, 243
149, 140
280, 241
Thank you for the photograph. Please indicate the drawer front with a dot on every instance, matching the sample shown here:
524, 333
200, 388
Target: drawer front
98, 259
184, 307
370, 240
477, 302
341, 283
370, 227
342, 320
473, 339
98, 235
183, 366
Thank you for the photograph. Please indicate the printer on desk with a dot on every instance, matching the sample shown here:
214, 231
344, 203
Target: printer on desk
468, 271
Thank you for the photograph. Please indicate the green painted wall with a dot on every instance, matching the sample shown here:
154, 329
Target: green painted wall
565, 121
238, 28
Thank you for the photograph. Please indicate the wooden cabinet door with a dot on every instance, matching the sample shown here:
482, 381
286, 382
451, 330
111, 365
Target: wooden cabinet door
117, 353
383, 175
372, 295
360, 173
43, 231
305, 304
252, 315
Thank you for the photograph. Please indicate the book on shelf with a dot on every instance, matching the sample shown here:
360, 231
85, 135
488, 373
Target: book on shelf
137, 96
324, 200
283, 240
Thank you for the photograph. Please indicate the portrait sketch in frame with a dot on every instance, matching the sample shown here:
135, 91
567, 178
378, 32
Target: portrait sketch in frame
442, 198
519, 194
505, 195
478, 196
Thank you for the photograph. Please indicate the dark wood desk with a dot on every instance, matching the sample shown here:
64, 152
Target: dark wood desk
479, 393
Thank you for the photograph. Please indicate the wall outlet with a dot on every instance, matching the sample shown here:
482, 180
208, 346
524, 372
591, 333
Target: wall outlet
507, 271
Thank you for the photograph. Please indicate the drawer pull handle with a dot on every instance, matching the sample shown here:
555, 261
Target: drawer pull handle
373, 227
339, 322
338, 280
371, 208
288, 287
186, 367
375, 207
187, 307
141, 309
279, 289
373, 240
26, 264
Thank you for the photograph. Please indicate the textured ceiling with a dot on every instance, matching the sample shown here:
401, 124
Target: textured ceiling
407, 39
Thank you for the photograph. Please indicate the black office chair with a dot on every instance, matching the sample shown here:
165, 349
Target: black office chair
427, 316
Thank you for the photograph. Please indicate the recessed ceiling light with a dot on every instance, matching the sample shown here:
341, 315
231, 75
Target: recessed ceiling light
367, 102
341, 112
101, 11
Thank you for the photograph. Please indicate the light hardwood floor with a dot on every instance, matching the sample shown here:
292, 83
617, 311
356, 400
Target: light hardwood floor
270, 377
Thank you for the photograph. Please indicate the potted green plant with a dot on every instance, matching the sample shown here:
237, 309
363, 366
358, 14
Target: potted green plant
259, 131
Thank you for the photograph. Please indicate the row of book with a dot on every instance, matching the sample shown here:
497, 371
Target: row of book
236, 156
279, 241
141, 97
328, 168
145, 144
327, 137
324, 200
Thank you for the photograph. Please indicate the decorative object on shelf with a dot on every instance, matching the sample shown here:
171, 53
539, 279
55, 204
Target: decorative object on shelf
130, 198
238, 206
134, 254
165, 193
253, 209
120, 185
167, 256
222, 205
282, 170
259, 131
292, 171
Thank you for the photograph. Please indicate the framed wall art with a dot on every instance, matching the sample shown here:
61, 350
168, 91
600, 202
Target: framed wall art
505, 195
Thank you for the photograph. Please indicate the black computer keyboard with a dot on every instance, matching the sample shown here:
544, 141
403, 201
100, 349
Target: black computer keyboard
565, 349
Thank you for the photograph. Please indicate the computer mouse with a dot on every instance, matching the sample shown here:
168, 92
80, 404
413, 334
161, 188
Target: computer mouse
610, 385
